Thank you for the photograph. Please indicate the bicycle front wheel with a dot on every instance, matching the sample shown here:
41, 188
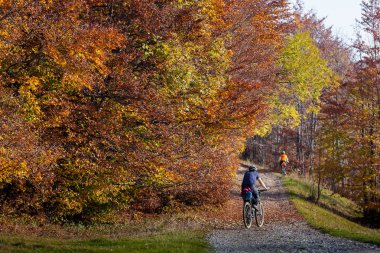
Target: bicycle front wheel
259, 215
247, 214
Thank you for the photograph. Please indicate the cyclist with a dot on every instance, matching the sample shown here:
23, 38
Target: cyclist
283, 161
249, 183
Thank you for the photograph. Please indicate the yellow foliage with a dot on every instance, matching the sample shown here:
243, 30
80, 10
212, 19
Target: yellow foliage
10, 170
33, 83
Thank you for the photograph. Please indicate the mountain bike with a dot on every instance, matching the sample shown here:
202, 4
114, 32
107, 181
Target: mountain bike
250, 211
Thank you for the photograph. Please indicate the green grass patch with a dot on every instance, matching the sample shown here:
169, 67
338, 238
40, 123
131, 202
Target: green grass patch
193, 241
302, 188
326, 220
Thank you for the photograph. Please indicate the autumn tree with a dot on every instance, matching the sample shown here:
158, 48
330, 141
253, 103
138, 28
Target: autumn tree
128, 103
364, 90
258, 30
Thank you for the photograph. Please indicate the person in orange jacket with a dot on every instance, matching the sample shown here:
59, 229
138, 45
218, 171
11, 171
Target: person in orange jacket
283, 161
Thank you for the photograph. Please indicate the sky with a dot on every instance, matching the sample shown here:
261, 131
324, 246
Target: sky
340, 14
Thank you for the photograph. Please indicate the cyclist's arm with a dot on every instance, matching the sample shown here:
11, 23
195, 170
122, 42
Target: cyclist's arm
262, 183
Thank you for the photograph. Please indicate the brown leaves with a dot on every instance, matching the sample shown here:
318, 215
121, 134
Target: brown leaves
123, 96
257, 28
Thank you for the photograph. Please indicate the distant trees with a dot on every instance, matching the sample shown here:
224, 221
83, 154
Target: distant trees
348, 136
364, 89
334, 135
305, 75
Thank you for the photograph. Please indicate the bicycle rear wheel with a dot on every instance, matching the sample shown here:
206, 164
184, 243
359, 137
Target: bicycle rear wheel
259, 215
247, 214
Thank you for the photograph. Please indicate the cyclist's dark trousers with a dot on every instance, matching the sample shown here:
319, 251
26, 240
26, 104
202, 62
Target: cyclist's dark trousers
255, 195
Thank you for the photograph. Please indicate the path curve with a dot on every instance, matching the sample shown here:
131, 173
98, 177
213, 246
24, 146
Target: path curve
284, 229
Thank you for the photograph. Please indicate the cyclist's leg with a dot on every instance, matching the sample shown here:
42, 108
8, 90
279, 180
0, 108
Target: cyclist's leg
255, 195
283, 167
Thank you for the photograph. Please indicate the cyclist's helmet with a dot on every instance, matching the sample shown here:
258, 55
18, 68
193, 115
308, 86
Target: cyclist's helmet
252, 168
283, 152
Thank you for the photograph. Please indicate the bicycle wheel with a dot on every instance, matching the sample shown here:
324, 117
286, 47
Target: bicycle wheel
247, 214
259, 215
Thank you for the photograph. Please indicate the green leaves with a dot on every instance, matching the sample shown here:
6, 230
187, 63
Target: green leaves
304, 75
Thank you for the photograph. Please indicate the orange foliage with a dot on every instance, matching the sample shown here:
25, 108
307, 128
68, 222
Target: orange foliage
123, 99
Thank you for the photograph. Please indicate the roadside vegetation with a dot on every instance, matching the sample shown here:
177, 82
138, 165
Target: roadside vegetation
182, 231
334, 214
192, 241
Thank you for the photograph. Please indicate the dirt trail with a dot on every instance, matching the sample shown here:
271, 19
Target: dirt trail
284, 229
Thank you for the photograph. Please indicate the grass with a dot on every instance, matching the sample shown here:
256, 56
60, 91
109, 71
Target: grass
193, 241
345, 207
172, 232
326, 218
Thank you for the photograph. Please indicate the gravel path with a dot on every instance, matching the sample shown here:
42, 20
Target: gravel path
284, 229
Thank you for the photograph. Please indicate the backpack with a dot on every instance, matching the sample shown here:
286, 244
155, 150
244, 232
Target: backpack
246, 194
